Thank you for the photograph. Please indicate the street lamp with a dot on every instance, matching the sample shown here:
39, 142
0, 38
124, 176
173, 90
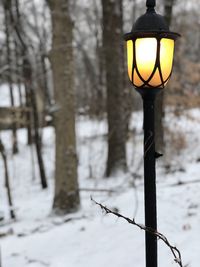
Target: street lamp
150, 51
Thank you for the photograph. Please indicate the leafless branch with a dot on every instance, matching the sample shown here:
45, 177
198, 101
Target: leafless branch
97, 190
185, 182
174, 250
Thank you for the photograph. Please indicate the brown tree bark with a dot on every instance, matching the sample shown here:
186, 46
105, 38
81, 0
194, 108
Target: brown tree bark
66, 197
159, 103
114, 65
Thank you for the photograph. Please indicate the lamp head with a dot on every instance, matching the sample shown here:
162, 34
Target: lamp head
150, 50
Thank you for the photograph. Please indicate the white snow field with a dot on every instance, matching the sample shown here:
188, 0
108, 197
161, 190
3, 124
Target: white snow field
89, 238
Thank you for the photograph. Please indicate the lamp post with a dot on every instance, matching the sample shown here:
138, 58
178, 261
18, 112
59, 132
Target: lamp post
150, 50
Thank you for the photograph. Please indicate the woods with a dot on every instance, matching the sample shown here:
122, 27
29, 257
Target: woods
71, 127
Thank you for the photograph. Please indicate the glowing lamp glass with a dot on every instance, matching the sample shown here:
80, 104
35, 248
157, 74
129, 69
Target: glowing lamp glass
150, 61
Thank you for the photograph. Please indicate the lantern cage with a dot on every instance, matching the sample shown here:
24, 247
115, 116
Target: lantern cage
150, 50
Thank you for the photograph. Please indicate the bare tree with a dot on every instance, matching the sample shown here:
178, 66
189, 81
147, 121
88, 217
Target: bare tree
66, 197
114, 65
30, 90
27, 71
159, 104
7, 180
7, 7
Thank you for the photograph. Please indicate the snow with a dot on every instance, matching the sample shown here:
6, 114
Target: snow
89, 237
5, 95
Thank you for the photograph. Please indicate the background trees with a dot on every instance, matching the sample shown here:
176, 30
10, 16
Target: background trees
62, 60
75, 119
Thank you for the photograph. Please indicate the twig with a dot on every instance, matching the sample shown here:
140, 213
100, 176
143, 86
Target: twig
29, 261
176, 253
97, 190
185, 182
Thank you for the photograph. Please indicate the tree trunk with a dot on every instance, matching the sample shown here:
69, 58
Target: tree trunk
7, 7
16, 20
27, 72
66, 197
159, 121
18, 55
18, 73
168, 9
114, 64
159, 103
7, 180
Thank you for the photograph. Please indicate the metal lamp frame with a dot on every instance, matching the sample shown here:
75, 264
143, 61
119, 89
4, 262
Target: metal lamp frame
133, 36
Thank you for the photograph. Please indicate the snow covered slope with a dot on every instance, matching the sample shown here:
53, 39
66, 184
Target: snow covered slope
88, 238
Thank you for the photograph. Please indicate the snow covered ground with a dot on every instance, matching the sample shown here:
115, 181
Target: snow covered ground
88, 238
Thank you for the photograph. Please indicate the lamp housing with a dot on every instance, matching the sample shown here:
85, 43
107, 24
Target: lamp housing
150, 50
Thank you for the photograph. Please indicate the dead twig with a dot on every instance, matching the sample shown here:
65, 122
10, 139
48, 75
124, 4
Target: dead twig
97, 190
30, 261
185, 182
174, 250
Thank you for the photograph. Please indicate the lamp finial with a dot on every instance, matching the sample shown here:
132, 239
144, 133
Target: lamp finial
150, 4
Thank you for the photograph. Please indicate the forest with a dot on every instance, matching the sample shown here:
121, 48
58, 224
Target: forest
72, 133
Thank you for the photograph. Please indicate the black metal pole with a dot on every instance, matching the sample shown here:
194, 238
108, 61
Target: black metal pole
150, 179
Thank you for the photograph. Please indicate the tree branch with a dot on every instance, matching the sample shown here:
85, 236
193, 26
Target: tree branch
176, 253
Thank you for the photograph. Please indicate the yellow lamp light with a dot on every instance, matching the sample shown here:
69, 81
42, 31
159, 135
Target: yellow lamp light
150, 51
150, 61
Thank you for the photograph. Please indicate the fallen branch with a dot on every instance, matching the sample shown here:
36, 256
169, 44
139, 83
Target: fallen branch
176, 253
5, 234
185, 182
48, 227
97, 190
30, 261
